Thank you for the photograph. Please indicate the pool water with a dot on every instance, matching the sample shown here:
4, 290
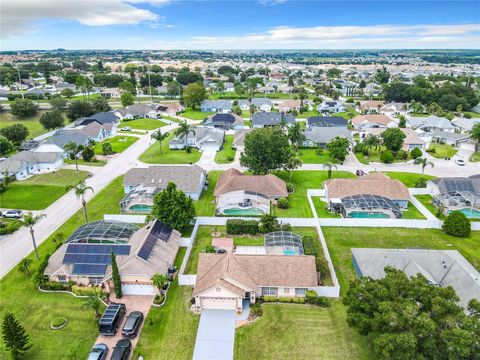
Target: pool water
240, 212
368, 215
471, 213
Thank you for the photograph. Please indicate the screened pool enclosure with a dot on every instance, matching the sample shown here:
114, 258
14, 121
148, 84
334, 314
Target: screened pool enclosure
283, 243
103, 232
368, 206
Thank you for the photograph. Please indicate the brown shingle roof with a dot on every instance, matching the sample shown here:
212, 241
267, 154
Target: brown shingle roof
233, 180
234, 271
372, 118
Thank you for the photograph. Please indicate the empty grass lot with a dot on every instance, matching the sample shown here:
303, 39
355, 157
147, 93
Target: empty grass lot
227, 154
31, 123
441, 151
315, 156
300, 332
35, 310
119, 144
153, 155
40, 191
143, 124
409, 179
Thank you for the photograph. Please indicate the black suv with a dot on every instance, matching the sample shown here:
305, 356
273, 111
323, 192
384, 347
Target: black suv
111, 319
122, 350
132, 324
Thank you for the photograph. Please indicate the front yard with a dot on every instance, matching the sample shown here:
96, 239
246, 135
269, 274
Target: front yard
153, 155
315, 156
441, 151
374, 156
227, 154
475, 157
40, 191
143, 124
195, 114
119, 143
409, 179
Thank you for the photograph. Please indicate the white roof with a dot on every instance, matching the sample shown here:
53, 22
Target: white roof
49, 148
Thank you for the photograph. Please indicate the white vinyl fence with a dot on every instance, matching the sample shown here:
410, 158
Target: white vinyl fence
394, 223
134, 219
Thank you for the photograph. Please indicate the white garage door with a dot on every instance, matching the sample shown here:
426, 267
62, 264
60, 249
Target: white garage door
219, 303
134, 289
467, 146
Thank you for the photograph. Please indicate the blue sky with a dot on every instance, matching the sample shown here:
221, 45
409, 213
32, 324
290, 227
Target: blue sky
255, 24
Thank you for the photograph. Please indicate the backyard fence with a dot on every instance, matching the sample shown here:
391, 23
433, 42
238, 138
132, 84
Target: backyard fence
134, 219
393, 223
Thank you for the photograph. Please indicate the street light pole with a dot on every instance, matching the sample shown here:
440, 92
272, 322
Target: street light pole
20, 81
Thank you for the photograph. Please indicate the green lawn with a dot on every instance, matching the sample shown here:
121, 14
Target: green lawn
119, 143
426, 200
31, 123
169, 332
409, 179
341, 240
143, 124
35, 310
475, 157
40, 191
374, 156
441, 150
166, 117
223, 156
205, 206
153, 155
246, 114
412, 213
321, 209
86, 163
300, 332
195, 114
315, 156
472, 114
303, 180
307, 114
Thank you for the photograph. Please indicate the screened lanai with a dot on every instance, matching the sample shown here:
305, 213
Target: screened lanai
369, 206
242, 203
283, 243
103, 231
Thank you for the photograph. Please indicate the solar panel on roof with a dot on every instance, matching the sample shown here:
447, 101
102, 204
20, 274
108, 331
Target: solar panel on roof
98, 249
89, 269
87, 259
158, 231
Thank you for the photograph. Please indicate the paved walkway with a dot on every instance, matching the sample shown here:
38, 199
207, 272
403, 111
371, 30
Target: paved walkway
215, 335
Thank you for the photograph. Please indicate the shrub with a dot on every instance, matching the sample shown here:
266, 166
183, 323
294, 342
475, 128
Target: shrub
256, 310
209, 249
290, 188
321, 265
9, 227
241, 227
285, 227
323, 301
88, 154
107, 148
39, 279
387, 157
311, 296
318, 151
283, 203
58, 322
188, 149
158, 299
467, 115
310, 246
365, 151
88, 291
457, 224
421, 183
56, 286
416, 153
230, 158
431, 150
269, 298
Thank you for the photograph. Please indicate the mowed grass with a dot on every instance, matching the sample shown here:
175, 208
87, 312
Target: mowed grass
40, 191
441, 151
153, 155
86, 163
315, 156
409, 179
321, 209
195, 114
169, 332
300, 332
35, 310
205, 205
475, 157
426, 201
119, 143
143, 124
374, 155
227, 154
412, 213
31, 123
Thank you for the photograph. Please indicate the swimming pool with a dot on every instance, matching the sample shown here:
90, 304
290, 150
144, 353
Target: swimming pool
471, 213
240, 212
367, 215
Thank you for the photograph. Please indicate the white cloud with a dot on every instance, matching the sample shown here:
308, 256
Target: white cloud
271, 2
19, 16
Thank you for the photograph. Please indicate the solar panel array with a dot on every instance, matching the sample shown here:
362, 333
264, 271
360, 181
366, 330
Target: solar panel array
228, 118
159, 231
89, 269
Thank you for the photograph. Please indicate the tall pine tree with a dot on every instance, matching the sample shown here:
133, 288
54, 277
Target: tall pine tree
117, 282
14, 336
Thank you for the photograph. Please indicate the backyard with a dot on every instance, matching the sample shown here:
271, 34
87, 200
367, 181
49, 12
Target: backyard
315, 156
227, 154
321, 209
119, 143
409, 179
205, 206
143, 124
153, 155
426, 200
441, 150
35, 310
31, 123
39, 191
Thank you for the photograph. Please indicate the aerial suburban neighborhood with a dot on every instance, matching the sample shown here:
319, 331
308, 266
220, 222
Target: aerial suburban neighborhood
178, 183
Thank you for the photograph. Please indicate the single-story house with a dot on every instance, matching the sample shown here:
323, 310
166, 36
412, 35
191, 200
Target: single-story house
224, 121
111, 93
262, 104
220, 106
140, 253
104, 117
137, 111
331, 107
141, 184
96, 131
202, 138
430, 124
366, 121
440, 268
228, 86
412, 139
370, 107
465, 125
244, 105
49, 148
239, 138
170, 109
371, 196
327, 121
265, 119
460, 140
27, 163
237, 193
394, 109
289, 105
321, 136
29, 145
63, 137
225, 280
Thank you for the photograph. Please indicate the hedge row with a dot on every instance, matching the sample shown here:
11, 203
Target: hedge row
284, 299
312, 298
242, 227
87, 291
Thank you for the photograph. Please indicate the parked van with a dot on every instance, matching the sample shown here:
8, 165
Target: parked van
111, 319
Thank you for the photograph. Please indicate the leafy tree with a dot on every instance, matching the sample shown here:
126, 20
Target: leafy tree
107, 148
402, 123
268, 223
372, 141
14, 336
185, 77
29, 221
117, 281
23, 108
5, 145
88, 154
80, 191
79, 108
393, 139
408, 318
67, 92
266, 150
362, 85
416, 153
16, 133
475, 135
423, 162
333, 73
127, 86
194, 94
100, 104
154, 81
71, 77
173, 207
84, 84
174, 88
58, 103
110, 80
24, 266
73, 150
329, 167
93, 302
382, 75
159, 280
127, 99
157, 135
387, 157
338, 148
52, 120
457, 224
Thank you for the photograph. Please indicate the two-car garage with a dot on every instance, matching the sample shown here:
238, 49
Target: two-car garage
219, 303
138, 289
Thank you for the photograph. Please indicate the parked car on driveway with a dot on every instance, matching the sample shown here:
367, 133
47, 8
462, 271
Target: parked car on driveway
111, 319
13, 214
132, 324
126, 128
122, 350
460, 162
98, 352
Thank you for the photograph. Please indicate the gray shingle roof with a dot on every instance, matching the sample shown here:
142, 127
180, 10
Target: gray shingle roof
261, 101
63, 137
430, 121
271, 118
327, 121
323, 135
15, 162
202, 134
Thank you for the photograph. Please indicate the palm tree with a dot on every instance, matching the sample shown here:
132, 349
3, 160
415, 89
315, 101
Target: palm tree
295, 135
29, 221
80, 191
329, 167
184, 130
93, 302
157, 135
424, 162
372, 141
292, 164
74, 149
24, 267
159, 280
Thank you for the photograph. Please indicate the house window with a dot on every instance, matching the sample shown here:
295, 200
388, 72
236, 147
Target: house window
62, 279
94, 280
300, 292
269, 291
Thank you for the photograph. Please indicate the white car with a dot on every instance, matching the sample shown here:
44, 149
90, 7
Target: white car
460, 162
126, 128
13, 214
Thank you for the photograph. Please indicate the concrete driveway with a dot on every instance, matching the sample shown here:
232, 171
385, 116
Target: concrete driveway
132, 303
215, 335
208, 157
